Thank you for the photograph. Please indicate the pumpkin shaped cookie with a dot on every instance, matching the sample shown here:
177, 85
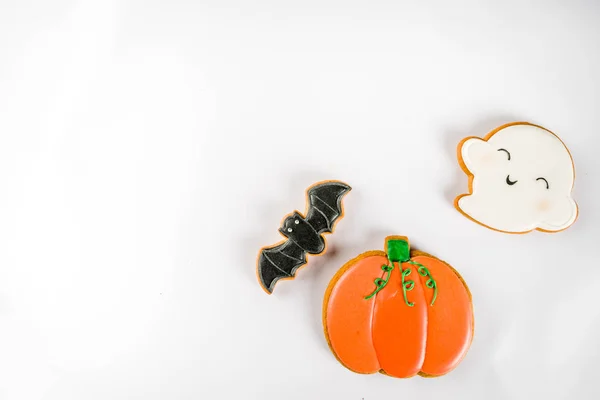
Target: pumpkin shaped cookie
399, 312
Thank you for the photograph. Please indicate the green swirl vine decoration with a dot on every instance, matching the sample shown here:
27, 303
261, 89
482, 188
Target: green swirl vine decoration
398, 250
430, 283
407, 286
380, 283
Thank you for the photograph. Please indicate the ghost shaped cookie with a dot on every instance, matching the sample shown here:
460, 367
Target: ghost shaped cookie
520, 179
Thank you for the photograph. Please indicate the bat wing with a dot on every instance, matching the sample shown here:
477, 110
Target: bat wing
325, 205
279, 262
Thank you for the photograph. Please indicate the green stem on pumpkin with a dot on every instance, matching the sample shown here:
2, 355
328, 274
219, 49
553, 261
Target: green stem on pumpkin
398, 250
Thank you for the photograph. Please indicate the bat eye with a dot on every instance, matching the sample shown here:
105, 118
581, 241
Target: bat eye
289, 229
296, 222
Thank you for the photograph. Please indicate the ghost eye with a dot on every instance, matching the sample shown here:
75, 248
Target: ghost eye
507, 153
545, 181
296, 222
289, 229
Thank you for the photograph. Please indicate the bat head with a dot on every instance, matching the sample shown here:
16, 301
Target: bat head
296, 228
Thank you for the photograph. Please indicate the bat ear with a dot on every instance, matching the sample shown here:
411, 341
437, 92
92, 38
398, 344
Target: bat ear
283, 231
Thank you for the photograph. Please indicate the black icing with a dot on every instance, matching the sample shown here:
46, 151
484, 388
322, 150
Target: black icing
509, 182
506, 151
545, 181
303, 234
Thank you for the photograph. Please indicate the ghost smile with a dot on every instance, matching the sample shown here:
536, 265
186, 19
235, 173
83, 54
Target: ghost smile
509, 182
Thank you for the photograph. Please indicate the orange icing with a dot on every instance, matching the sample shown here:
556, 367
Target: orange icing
383, 333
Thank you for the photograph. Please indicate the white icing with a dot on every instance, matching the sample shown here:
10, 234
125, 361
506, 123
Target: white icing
526, 205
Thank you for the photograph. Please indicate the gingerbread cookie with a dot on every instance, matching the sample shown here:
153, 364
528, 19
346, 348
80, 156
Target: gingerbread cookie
520, 179
399, 312
303, 234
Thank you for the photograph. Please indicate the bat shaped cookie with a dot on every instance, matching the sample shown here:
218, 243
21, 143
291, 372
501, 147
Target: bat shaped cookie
304, 234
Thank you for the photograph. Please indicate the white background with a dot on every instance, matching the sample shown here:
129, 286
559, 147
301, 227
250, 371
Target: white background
148, 149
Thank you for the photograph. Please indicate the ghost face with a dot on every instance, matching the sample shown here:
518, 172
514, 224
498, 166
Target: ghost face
522, 180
